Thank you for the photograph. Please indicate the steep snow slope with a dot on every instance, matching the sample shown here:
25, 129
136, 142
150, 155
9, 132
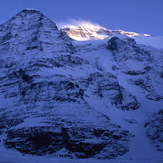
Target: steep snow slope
94, 99
128, 69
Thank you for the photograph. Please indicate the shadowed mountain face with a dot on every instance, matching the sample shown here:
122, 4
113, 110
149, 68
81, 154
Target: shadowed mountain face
55, 93
31, 31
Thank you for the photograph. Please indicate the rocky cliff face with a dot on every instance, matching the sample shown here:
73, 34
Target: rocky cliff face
48, 86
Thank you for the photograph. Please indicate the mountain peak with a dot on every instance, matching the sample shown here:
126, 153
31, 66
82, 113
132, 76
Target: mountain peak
30, 31
30, 9
29, 13
28, 19
90, 31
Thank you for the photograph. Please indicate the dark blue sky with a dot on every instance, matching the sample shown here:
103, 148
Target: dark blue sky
142, 16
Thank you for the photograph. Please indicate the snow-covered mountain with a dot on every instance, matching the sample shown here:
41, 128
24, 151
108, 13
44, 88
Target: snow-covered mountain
94, 99
89, 31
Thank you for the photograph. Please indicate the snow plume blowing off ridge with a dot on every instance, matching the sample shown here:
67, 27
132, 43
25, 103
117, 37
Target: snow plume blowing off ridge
82, 30
78, 23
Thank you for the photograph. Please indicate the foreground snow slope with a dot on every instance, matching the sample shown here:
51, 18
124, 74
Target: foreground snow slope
70, 101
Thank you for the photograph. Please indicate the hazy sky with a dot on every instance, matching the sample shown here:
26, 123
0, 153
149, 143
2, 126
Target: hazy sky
142, 16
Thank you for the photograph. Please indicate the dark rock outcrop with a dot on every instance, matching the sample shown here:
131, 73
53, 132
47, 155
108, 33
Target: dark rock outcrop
154, 129
106, 85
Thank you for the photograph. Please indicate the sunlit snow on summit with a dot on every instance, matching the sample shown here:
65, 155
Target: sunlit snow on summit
86, 30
